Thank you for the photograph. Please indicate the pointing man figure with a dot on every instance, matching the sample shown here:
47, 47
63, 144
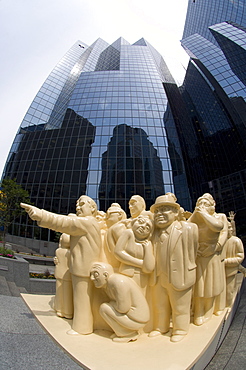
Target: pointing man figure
85, 247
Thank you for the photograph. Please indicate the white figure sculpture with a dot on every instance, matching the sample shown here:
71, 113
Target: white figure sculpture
114, 215
234, 255
154, 253
231, 218
63, 304
135, 251
128, 311
213, 229
175, 246
137, 206
101, 219
85, 248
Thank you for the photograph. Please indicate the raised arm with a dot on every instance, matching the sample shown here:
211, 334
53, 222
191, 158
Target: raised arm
71, 225
34, 213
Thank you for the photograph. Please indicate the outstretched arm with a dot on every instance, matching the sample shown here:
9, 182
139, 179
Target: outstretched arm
64, 224
33, 212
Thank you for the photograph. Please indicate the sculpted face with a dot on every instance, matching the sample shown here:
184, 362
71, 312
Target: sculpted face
164, 216
84, 207
113, 218
136, 206
230, 230
142, 227
99, 277
206, 206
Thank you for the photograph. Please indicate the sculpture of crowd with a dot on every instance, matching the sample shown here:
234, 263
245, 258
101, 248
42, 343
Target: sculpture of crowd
154, 272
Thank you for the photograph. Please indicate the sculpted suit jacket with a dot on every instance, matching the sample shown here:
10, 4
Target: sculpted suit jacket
234, 255
85, 239
182, 246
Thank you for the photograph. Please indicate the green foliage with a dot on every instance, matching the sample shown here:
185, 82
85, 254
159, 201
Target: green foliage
11, 195
57, 236
45, 275
6, 252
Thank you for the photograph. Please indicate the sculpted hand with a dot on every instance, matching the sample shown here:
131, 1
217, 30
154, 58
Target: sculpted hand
146, 244
33, 212
201, 209
231, 215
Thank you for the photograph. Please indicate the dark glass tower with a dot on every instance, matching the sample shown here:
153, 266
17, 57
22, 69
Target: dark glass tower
96, 127
212, 129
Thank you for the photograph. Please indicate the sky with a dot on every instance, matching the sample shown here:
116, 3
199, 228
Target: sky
35, 34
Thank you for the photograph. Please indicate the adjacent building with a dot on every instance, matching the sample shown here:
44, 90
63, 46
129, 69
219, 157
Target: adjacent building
212, 128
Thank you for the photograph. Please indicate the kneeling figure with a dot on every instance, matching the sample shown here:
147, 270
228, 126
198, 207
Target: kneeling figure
128, 311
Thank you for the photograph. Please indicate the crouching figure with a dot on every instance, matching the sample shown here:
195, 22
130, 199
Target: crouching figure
127, 311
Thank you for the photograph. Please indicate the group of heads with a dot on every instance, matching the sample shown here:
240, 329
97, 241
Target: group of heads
164, 211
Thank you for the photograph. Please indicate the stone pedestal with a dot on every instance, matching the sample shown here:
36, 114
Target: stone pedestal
98, 351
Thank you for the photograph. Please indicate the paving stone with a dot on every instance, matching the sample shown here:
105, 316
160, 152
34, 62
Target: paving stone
33, 352
219, 362
232, 352
237, 361
15, 317
24, 344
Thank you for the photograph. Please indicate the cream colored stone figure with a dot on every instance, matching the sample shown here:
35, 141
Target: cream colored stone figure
154, 254
234, 255
63, 304
231, 218
85, 248
101, 219
136, 206
114, 216
175, 248
135, 251
213, 229
128, 311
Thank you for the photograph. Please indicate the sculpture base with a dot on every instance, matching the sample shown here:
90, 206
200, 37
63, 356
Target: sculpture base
98, 351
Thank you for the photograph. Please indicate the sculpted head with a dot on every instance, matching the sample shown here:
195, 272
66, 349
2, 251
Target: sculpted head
64, 241
206, 201
85, 206
230, 229
142, 227
165, 210
136, 205
114, 214
100, 273
101, 219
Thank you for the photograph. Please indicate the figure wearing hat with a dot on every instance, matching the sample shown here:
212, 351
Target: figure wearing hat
210, 279
175, 247
115, 216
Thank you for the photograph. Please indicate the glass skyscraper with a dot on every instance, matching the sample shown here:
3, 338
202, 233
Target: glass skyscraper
213, 130
96, 127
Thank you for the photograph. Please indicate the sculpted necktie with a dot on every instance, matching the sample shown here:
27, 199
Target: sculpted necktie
162, 255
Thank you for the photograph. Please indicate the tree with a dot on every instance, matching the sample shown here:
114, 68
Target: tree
11, 195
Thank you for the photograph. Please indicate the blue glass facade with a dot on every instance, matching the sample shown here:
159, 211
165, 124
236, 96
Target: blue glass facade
96, 127
214, 95
202, 13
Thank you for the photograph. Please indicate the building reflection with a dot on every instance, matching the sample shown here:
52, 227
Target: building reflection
130, 166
